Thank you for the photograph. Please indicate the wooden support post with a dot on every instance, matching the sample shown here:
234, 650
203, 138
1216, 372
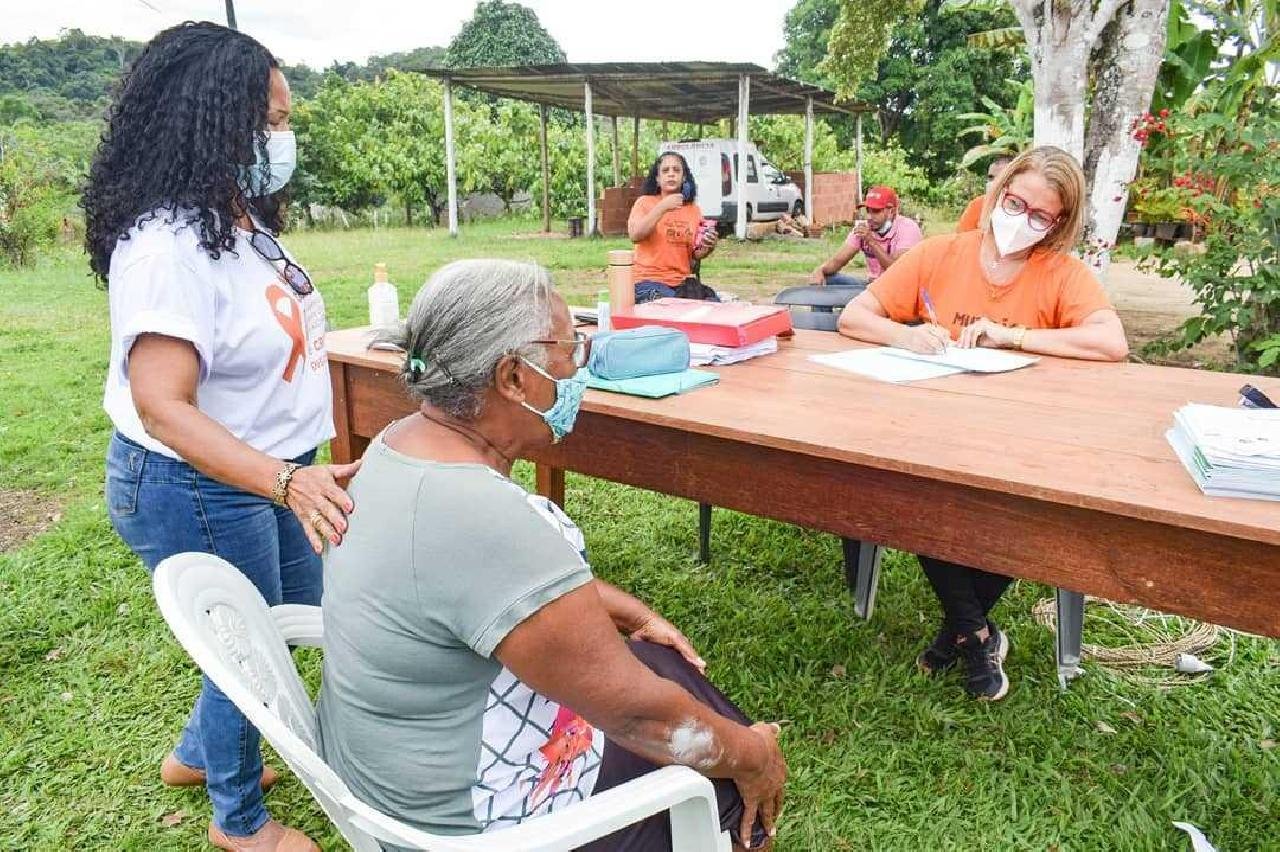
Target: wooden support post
635, 146
857, 181
744, 108
617, 169
546, 170
591, 158
808, 158
451, 175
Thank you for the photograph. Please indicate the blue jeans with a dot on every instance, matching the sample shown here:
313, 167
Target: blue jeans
161, 506
839, 279
647, 291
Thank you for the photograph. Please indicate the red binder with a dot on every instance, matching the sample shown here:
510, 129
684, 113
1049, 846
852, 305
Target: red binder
719, 323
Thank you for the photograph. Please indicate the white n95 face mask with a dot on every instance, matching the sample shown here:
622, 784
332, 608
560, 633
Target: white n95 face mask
269, 176
1013, 233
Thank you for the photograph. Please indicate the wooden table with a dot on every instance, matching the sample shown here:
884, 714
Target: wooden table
1058, 473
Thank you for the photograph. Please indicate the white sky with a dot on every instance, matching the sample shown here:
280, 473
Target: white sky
317, 32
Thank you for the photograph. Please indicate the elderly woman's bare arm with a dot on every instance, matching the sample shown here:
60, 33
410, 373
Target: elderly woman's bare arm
571, 652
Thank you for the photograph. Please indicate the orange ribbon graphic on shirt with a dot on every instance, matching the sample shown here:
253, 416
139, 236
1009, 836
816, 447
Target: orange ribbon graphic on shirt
291, 322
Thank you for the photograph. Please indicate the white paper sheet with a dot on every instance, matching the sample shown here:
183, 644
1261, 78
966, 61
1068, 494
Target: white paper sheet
878, 364
977, 360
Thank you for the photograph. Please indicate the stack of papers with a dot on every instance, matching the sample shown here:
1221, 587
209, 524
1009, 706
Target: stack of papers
709, 354
888, 364
1229, 452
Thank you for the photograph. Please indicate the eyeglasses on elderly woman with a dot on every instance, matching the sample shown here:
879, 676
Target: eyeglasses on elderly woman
581, 344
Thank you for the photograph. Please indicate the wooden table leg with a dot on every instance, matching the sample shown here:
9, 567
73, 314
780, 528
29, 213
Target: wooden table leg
550, 483
341, 448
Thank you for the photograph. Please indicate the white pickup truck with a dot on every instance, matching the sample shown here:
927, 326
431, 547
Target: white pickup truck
714, 163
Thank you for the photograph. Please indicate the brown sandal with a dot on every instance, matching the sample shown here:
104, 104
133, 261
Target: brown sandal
175, 773
286, 840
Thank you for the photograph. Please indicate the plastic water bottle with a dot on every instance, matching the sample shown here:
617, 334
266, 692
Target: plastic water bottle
603, 317
384, 302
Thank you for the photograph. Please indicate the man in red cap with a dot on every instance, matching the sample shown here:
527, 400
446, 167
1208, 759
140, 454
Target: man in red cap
883, 236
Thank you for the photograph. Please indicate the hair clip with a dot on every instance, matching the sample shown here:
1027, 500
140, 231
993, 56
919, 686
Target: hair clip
417, 365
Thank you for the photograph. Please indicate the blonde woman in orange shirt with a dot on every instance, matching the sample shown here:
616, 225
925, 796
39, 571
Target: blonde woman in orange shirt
1011, 284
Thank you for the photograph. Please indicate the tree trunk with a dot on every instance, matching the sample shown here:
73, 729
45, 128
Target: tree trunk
408, 214
1125, 70
1059, 35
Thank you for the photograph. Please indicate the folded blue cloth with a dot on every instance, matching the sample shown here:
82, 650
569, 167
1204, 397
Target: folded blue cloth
655, 387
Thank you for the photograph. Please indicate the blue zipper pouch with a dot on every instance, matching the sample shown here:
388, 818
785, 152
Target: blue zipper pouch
649, 350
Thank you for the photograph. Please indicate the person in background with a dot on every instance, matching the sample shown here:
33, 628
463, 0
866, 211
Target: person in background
1012, 284
668, 231
883, 236
971, 218
218, 379
476, 673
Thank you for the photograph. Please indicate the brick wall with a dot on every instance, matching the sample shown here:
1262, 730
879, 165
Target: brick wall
615, 207
833, 200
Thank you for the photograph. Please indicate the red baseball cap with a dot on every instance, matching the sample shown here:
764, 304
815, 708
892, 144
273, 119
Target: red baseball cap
880, 197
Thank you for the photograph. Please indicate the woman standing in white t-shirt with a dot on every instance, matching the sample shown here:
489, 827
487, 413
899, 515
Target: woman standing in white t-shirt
218, 383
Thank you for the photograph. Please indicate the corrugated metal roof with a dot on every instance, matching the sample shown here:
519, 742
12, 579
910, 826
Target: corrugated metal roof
694, 92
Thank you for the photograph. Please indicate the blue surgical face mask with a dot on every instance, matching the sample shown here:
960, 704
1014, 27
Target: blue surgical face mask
268, 176
563, 412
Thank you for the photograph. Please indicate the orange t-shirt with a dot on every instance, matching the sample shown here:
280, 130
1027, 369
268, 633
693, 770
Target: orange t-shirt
666, 254
971, 218
1053, 290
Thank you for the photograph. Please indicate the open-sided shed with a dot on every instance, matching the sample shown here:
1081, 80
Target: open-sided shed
693, 92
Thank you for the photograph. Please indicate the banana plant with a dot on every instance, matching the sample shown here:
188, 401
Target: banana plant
1003, 130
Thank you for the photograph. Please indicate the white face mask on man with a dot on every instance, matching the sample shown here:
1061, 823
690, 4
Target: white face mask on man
1013, 232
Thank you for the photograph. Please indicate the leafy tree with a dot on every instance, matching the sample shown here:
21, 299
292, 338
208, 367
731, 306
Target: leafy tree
502, 34
928, 77
1006, 132
39, 176
66, 78
859, 38
807, 29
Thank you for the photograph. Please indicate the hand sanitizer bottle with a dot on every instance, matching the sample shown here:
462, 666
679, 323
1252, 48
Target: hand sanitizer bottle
603, 319
384, 303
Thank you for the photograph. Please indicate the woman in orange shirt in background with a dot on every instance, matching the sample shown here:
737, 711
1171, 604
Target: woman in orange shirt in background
664, 225
1012, 284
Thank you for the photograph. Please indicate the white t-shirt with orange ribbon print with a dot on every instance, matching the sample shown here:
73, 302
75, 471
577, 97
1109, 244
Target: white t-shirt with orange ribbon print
264, 370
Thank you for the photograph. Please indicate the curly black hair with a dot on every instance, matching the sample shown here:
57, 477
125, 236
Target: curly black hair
651, 187
185, 119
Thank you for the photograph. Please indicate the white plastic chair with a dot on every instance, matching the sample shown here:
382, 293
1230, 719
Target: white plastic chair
225, 625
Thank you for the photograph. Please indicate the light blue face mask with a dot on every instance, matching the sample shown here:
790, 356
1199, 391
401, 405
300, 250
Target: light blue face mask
562, 414
268, 176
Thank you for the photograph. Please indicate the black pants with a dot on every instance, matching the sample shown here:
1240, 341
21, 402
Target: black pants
966, 594
619, 766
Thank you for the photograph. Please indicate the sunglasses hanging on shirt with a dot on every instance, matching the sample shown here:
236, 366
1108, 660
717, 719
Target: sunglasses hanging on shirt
270, 250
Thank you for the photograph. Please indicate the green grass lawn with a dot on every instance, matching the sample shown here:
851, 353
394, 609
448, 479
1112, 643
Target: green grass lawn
93, 690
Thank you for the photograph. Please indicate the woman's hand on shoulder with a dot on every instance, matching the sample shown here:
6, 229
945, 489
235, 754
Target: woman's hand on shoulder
320, 503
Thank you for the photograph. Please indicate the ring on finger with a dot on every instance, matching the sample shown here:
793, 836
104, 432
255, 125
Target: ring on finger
316, 520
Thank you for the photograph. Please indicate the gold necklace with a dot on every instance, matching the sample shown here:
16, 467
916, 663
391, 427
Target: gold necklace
992, 268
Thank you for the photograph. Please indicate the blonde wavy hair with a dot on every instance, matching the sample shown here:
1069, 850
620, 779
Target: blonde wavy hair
1063, 173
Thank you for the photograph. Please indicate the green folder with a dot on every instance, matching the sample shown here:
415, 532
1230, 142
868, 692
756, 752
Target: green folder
655, 387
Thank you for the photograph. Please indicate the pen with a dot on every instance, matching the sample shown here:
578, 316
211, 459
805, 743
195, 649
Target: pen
928, 308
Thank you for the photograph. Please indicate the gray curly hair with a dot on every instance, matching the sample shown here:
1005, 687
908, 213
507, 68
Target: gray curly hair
467, 316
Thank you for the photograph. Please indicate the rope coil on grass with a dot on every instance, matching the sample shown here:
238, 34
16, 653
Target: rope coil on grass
1153, 640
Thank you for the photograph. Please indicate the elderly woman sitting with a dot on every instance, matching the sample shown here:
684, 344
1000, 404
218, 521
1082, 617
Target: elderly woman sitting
475, 673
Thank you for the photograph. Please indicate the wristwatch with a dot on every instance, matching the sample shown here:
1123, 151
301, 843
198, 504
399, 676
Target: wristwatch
1020, 336
280, 491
